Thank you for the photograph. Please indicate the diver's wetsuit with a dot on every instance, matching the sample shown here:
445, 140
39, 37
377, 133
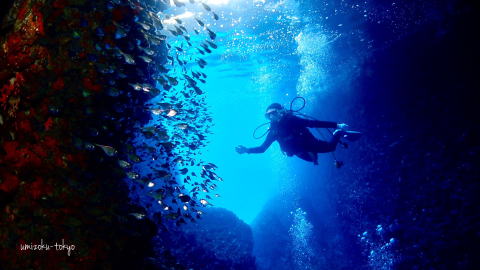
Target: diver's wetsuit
295, 139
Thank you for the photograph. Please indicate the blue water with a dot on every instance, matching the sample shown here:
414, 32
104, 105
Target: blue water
268, 52
326, 52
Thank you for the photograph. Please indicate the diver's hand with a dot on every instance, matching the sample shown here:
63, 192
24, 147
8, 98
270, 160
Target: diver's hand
342, 126
241, 149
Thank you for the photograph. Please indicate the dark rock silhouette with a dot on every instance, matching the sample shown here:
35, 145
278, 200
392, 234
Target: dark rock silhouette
219, 240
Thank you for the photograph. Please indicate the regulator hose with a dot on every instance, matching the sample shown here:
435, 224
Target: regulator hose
255, 131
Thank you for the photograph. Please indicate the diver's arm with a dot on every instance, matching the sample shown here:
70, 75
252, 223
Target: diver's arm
316, 123
262, 148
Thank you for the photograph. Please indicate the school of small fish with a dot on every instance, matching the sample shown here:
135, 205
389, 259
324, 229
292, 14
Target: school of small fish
170, 171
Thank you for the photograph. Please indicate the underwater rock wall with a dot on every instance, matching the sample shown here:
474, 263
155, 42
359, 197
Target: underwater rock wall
67, 112
218, 241
81, 162
408, 189
272, 244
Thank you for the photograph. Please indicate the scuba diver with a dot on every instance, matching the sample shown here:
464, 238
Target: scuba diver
294, 138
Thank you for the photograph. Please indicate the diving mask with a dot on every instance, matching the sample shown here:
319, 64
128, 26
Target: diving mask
273, 114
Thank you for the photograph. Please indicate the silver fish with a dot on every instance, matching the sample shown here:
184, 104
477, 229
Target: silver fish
124, 164
146, 59
109, 151
137, 215
144, 26
149, 51
206, 7
132, 175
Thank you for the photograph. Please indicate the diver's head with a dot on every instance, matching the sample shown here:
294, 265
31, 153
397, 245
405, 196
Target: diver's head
274, 112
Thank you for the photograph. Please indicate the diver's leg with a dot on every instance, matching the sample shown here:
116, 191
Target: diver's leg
338, 134
352, 135
308, 156
314, 157
330, 146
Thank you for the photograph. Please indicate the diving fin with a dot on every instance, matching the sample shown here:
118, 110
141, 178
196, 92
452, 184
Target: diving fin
352, 135
338, 164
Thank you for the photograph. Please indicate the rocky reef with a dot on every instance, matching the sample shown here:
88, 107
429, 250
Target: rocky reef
218, 241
